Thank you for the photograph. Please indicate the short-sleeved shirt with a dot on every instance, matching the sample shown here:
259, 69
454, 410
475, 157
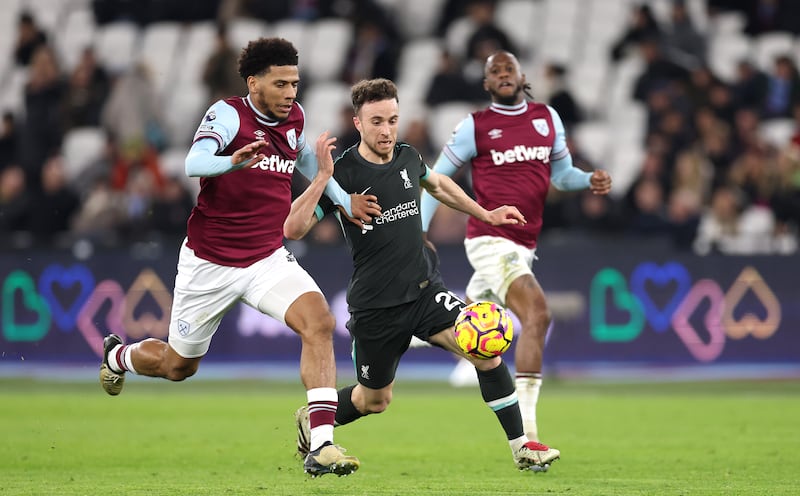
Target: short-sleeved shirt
239, 215
391, 265
511, 148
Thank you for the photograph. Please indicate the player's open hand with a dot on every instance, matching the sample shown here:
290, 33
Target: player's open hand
600, 182
325, 146
506, 215
248, 155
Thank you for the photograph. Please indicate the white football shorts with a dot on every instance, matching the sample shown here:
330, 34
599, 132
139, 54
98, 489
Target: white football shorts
205, 291
497, 262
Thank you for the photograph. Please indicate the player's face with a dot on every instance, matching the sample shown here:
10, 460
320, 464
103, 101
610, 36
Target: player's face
377, 123
503, 79
273, 92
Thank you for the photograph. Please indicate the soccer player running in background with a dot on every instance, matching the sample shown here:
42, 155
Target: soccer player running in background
396, 291
517, 149
245, 151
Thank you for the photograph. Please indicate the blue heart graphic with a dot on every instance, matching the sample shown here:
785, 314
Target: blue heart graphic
660, 276
66, 278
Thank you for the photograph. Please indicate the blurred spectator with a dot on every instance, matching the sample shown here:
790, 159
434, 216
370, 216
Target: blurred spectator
750, 86
653, 169
41, 133
9, 136
135, 159
786, 200
559, 96
101, 212
53, 208
29, 37
693, 174
683, 214
598, 215
764, 16
450, 11
783, 89
418, 135
698, 90
14, 201
485, 31
87, 92
171, 207
728, 226
754, 173
721, 99
483, 39
684, 44
658, 71
373, 53
745, 132
221, 72
642, 26
648, 217
450, 85
346, 133
133, 113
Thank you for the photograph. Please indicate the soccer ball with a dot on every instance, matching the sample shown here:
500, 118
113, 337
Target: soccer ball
483, 330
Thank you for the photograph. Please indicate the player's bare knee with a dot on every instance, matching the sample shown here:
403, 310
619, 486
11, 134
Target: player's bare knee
319, 328
181, 370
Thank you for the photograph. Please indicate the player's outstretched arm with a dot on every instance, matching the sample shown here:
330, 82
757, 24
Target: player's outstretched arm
201, 160
448, 192
600, 182
302, 216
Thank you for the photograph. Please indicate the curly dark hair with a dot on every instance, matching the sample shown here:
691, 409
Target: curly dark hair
259, 55
372, 90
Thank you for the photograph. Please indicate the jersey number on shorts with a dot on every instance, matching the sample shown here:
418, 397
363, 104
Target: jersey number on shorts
449, 300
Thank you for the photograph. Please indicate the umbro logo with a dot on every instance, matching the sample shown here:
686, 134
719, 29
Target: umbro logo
365, 371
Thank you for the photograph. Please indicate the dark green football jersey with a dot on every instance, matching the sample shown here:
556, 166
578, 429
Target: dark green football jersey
391, 265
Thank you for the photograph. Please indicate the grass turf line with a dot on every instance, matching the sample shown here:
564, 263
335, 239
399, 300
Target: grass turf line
237, 438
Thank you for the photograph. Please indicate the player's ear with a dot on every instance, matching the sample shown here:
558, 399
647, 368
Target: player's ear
485, 85
357, 123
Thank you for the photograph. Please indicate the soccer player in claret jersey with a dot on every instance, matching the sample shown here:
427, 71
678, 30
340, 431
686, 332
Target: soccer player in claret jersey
517, 149
245, 151
396, 291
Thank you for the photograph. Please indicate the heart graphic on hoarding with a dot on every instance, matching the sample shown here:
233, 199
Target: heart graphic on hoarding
66, 278
610, 280
701, 350
107, 291
32, 302
659, 318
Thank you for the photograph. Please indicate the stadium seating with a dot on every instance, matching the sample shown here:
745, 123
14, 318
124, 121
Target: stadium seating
576, 33
82, 147
116, 45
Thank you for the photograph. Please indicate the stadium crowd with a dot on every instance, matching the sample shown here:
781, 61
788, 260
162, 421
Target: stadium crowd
709, 180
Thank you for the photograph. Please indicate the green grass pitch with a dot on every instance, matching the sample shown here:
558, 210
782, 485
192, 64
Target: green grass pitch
237, 438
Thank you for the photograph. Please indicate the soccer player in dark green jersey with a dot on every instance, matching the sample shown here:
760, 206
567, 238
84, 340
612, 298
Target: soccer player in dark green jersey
396, 291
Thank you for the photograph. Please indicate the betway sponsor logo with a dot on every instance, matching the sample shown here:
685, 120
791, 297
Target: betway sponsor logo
521, 153
275, 163
398, 212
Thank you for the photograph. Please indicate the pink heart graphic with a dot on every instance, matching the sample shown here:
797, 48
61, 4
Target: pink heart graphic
704, 352
106, 290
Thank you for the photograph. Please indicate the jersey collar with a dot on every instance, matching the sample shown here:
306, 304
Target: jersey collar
262, 118
517, 109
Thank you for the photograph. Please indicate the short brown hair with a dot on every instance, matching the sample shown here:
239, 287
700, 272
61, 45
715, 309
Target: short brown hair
372, 90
